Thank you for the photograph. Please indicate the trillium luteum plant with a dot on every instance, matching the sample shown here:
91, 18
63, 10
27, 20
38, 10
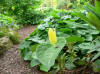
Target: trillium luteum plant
52, 36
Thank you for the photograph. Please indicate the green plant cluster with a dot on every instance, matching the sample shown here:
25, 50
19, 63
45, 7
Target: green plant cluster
8, 27
8, 22
93, 14
77, 44
24, 10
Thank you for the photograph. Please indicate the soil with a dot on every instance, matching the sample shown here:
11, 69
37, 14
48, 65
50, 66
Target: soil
11, 61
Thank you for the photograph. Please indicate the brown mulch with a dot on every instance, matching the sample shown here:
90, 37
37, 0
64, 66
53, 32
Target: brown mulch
11, 61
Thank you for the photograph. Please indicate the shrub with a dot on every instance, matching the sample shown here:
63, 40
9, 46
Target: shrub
23, 10
8, 22
30, 17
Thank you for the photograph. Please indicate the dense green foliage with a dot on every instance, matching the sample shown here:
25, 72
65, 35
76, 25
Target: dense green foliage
93, 14
9, 28
23, 10
77, 45
70, 4
8, 21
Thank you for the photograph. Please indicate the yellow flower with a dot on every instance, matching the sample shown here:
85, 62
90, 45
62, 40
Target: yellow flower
52, 36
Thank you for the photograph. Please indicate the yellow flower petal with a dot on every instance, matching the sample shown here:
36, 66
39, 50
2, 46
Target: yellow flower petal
52, 36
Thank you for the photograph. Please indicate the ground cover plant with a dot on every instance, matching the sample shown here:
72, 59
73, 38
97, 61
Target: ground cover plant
74, 44
8, 21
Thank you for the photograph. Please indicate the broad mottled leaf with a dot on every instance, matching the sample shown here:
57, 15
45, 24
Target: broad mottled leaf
47, 53
34, 60
34, 63
36, 39
25, 44
85, 46
89, 38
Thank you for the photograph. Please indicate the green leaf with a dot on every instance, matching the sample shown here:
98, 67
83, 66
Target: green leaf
81, 15
65, 30
74, 39
47, 53
96, 66
97, 6
34, 60
94, 32
91, 9
33, 47
82, 32
70, 66
89, 37
85, 46
28, 56
34, 63
95, 45
34, 56
43, 68
81, 62
25, 44
70, 63
36, 39
96, 56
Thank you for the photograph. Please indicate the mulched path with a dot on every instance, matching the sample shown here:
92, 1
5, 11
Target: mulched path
11, 61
